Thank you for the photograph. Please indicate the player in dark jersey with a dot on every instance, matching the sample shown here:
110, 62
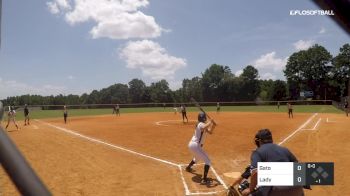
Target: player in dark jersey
26, 115
290, 109
346, 107
65, 114
184, 113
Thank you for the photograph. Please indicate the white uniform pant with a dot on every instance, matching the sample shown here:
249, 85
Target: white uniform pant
198, 153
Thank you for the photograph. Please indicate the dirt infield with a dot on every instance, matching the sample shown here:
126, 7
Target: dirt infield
142, 154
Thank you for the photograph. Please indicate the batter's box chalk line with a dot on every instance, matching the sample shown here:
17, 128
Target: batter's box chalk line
188, 192
179, 166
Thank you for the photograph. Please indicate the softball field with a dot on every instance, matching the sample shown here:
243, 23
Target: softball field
145, 153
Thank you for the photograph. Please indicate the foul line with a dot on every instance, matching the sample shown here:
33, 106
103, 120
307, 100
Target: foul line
330, 121
107, 144
316, 125
298, 129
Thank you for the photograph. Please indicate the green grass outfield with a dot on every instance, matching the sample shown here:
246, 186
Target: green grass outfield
39, 114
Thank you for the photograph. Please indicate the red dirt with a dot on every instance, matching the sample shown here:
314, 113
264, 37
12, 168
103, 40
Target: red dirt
73, 166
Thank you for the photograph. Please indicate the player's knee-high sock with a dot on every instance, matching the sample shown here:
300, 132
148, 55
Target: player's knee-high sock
206, 170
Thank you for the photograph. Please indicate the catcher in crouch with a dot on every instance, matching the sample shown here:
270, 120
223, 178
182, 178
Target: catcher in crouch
196, 143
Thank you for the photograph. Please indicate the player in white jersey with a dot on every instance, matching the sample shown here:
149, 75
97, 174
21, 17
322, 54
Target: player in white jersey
196, 144
11, 117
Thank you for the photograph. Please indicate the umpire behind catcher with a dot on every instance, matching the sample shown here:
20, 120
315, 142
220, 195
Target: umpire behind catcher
266, 151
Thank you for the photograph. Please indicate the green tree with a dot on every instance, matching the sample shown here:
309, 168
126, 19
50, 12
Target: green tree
278, 91
160, 92
250, 87
191, 88
214, 82
342, 69
265, 89
137, 89
309, 68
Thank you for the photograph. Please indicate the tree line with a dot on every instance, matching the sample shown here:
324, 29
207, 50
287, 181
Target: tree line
314, 69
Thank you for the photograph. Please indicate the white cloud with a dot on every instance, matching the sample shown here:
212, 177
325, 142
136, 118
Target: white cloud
14, 88
268, 76
153, 60
53, 8
323, 30
70, 77
239, 72
57, 6
303, 45
269, 61
115, 19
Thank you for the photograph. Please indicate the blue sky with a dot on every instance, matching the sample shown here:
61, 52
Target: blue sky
74, 46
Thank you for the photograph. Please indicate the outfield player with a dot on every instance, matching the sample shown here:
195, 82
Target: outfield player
184, 113
290, 109
26, 115
11, 117
65, 114
118, 112
196, 143
217, 107
278, 105
175, 109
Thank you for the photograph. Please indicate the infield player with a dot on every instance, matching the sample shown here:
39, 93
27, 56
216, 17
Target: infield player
26, 115
65, 114
11, 117
290, 109
196, 143
184, 113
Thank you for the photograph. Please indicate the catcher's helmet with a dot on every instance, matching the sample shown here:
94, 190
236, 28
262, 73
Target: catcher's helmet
202, 117
264, 136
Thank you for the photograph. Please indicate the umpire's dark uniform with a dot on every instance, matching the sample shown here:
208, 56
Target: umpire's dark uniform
269, 152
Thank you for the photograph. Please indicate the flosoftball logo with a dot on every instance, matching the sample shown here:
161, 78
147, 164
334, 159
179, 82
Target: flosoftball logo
311, 13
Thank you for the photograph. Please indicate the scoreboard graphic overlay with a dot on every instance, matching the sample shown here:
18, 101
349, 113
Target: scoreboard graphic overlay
295, 174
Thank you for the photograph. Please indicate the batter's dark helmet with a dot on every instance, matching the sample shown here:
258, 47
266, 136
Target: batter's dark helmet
264, 136
202, 117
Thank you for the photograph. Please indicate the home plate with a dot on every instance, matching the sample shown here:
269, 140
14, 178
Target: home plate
233, 174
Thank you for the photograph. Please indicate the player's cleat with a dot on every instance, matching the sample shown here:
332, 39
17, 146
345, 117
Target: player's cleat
189, 169
205, 181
